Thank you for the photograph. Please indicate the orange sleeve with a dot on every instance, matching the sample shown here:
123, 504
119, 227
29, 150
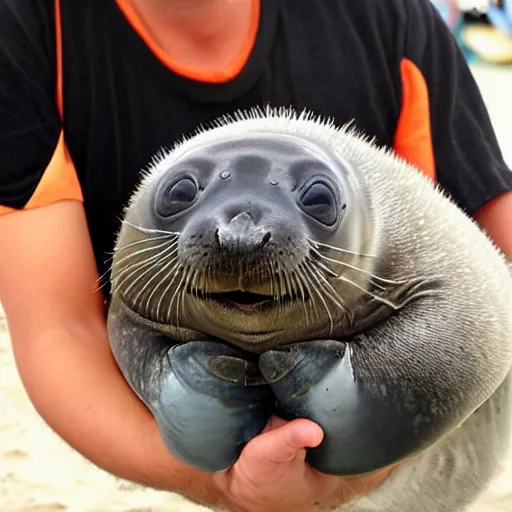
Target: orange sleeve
59, 181
36, 115
413, 137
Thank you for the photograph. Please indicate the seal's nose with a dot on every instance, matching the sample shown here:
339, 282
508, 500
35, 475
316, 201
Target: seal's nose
241, 234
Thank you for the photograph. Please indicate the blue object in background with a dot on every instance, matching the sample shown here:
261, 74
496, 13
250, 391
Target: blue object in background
454, 18
501, 18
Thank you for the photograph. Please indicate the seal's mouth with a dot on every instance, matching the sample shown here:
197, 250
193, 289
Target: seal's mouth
243, 300
239, 299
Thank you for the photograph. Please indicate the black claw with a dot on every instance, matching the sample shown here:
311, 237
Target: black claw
211, 404
275, 365
299, 366
235, 370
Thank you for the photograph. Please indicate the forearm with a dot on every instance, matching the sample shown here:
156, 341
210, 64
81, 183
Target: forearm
496, 219
75, 385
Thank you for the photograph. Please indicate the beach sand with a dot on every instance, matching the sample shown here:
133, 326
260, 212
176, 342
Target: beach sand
40, 473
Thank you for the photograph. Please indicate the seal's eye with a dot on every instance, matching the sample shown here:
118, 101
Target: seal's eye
177, 197
319, 202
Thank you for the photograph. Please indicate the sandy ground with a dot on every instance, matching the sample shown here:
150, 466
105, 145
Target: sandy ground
40, 473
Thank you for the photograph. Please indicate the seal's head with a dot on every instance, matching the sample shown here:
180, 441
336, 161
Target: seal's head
242, 236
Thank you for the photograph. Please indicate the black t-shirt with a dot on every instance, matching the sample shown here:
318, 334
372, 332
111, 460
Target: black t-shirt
87, 98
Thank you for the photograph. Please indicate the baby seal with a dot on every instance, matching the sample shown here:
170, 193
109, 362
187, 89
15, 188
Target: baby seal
277, 264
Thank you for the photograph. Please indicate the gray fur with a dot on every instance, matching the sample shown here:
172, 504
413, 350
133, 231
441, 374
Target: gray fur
457, 341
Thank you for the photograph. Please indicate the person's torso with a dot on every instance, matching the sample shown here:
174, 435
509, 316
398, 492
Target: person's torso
122, 104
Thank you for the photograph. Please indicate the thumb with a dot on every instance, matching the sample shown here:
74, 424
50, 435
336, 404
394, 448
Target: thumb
276, 448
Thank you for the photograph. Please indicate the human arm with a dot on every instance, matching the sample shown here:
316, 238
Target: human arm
48, 273
57, 325
495, 218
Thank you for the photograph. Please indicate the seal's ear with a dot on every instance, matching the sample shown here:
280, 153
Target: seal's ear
208, 399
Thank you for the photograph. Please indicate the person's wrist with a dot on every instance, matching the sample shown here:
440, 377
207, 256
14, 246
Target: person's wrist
232, 497
239, 495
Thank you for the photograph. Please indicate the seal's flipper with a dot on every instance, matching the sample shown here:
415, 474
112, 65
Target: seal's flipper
315, 380
211, 404
207, 399
377, 403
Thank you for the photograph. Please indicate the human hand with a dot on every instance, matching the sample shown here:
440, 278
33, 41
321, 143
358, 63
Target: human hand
271, 474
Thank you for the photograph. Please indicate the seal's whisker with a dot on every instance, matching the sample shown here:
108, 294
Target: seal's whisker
150, 231
283, 289
165, 264
332, 294
98, 284
339, 249
279, 285
184, 272
113, 254
182, 289
204, 277
287, 282
145, 267
307, 285
134, 266
377, 285
143, 241
358, 269
421, 288
198, 282
174, 272
142, 251
326, 269
272, 275
180, 304
192, 278
161, 257
389, 303
209, 277
297, 280
129, 272
315, 289
115, 263
284, 284
145, 270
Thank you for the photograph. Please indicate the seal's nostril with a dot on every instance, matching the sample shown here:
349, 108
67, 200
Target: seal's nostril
265, 239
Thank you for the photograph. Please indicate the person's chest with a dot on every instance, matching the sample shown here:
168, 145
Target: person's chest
122, 104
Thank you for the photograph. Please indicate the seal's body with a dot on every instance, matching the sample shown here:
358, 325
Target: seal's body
277, 264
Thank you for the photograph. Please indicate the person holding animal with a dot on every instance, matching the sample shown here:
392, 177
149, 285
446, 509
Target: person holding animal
91, 92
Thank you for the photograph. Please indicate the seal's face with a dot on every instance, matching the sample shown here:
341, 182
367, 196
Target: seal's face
241, 238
